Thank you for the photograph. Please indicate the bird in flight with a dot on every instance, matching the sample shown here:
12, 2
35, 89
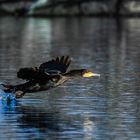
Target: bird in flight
48, 75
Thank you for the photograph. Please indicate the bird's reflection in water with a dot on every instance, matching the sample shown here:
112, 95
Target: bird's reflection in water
33, 117
29, 116
30, 121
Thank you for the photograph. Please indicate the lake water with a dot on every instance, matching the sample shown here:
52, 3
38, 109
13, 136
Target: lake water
105, 108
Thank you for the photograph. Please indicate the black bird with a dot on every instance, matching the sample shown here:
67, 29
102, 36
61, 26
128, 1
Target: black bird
48, 75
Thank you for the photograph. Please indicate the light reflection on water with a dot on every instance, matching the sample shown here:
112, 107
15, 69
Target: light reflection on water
102, 108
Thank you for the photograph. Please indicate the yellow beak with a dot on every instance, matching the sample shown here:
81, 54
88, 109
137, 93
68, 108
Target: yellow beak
90, 74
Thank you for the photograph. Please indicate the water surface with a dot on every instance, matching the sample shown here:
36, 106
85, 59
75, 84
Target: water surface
102, 108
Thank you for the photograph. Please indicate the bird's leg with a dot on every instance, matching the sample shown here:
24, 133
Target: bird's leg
19, 94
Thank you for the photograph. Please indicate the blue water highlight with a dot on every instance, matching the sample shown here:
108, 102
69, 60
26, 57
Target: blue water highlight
7, 99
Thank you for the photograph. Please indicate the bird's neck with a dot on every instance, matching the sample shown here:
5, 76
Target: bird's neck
73, 74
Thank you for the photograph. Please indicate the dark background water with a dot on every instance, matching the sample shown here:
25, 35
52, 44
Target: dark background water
102, 108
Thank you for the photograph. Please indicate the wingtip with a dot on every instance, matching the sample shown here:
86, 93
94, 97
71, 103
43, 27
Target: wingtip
57, 59
64, 59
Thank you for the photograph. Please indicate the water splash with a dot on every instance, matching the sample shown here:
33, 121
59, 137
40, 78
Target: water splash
7, 98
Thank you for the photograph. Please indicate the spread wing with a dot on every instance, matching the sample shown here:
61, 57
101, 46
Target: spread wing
30, 73
55, 66
59, 65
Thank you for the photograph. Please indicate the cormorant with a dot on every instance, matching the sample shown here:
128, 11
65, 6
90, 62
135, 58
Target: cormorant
48, 75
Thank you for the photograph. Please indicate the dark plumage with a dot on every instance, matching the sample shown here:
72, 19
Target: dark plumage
49, 75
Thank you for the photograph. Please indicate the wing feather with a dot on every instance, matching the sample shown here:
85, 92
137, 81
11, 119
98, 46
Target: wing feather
59, 64
30, 73
54, 66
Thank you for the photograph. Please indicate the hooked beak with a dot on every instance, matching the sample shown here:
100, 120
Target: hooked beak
90, 74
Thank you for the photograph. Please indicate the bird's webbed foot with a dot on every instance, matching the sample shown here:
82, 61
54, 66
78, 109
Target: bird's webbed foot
19, 94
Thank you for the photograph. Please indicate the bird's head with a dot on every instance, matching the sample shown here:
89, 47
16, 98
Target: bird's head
87, 73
